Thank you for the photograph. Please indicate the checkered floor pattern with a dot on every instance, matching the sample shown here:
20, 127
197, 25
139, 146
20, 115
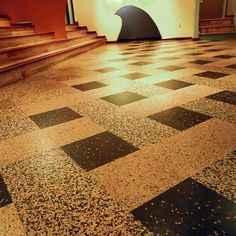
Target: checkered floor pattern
133, 138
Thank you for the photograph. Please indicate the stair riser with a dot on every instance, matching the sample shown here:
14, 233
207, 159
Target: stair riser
72, 27
20, 73
73, 34
18, 28
5, 23
16, 33
27, 52
214, 22
217, 29
8, 42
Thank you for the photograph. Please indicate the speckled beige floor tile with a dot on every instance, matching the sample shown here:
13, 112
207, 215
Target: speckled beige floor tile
221, 177
140, 176
220, 110
139, 131
53, 196
13, 121
171, 99
72, 131
10, 223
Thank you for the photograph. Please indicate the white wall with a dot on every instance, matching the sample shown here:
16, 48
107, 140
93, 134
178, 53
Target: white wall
174, 18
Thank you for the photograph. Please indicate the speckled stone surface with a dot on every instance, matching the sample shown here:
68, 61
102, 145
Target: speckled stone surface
221, 177
12, 121
139, 131
213, 108
156, 168
10, 222
55, 197
56, 194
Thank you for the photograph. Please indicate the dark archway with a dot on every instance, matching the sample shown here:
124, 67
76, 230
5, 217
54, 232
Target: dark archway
137, 24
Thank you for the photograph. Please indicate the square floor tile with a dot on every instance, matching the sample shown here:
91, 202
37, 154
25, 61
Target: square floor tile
224, 96
5, 197
214, 50
194, 54
89, 86
169, 58
224, 56
123, 98
140, 63
211, 74
188, 209
106, 70
180, 118
171, 68
174, 84
54, 117
200, 62
144, 55
232, 66
134, 76
98, 150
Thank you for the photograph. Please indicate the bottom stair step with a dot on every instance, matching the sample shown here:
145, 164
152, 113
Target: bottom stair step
15, 70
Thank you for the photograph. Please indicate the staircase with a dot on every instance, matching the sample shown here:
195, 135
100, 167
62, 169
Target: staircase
24, 52
217, 26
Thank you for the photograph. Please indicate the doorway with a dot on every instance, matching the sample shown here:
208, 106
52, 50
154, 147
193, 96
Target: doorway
211, 9
70, 16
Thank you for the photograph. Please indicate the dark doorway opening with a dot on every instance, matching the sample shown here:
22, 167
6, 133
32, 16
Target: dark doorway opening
70, 15
137, 25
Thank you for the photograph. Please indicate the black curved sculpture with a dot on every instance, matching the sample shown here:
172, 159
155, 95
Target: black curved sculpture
137, 24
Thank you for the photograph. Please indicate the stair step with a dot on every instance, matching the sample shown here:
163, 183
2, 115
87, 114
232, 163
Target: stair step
72, 34
27, 50
5, 22
72, 27
13, 41
215, 29
217, 21
218, 33
16, 30
18, 69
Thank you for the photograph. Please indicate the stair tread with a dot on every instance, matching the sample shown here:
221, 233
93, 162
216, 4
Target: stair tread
19, 62
215, 26
25, 35
217, 19
24, 46
216, 33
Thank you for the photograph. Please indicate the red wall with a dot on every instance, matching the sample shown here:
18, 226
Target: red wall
46, 15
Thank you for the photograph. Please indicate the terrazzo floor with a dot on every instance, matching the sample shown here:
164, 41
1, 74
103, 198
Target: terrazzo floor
133, 138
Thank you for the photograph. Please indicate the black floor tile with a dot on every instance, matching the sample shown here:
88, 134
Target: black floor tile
123, 98
169, 58
189, 209
140, 63
224, 96
106, 70
98, 150
89, 86
214, 50
174, 84
232, 66
211, 74
179, 118
144, 55
54, 117
5, 197
224, 56
134, 76
200, 62
126, 53
194, 54
171, 68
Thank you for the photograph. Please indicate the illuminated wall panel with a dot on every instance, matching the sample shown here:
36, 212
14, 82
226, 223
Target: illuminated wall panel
174, 18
